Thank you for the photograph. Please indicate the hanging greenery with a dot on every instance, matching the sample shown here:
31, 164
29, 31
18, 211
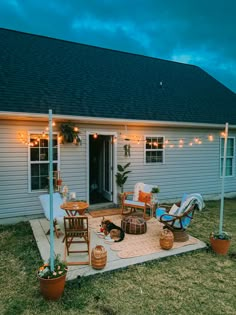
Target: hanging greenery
70, 133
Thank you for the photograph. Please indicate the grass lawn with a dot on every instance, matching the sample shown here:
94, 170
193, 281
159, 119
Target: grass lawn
200, 282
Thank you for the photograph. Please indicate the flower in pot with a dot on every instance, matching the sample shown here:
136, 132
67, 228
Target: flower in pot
220, 242
52, 282
65, 192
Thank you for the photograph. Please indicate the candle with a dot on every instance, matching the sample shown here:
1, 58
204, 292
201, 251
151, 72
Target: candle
72, 195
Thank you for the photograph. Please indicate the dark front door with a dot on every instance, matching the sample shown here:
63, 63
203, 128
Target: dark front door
100, 168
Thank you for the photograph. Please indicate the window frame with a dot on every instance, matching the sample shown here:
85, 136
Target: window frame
40, 162
159, 150
227, 157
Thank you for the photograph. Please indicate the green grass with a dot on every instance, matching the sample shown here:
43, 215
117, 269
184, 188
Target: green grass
200, 282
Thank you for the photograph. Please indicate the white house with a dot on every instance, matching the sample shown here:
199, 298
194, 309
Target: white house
164, 117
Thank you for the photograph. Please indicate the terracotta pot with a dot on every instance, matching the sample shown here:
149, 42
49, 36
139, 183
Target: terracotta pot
52, 289
220, 247
166, 239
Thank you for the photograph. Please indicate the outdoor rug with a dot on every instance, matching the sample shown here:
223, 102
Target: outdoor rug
138, 245
105, 212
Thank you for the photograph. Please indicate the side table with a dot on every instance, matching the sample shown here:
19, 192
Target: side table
74, 208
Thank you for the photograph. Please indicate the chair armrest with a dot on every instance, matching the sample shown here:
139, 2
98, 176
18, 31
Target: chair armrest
127, 193
172, 217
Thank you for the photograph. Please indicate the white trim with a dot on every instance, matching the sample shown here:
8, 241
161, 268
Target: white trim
144, 149
233, 158
111, 121
43, 162
103, 133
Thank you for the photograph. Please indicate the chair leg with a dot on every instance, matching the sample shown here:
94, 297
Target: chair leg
55, 228
57, 232
67, 251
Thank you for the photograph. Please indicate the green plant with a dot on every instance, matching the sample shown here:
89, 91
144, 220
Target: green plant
70, 133
221, 236
155, 190
121, 175
60, 268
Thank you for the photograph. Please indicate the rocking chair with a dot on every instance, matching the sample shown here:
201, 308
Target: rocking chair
178, 217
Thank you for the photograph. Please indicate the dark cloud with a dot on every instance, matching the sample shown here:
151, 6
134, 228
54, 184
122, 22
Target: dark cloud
198, 32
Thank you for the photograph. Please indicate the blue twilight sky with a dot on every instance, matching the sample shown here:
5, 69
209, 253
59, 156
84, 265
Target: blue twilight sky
200, 32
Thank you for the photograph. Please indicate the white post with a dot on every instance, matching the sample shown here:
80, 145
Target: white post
51, 191
223, 180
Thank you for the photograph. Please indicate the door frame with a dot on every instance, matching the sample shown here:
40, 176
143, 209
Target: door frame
114, 154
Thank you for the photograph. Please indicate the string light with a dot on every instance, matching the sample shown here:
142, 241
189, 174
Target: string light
35, 139
223, 134
210, 138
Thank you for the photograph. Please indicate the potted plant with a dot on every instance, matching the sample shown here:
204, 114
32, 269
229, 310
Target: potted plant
220, 242
155, 190
121, 175
121, 178
70, 133
52, 282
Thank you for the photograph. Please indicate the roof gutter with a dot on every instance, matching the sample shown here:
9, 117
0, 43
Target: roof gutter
106, 121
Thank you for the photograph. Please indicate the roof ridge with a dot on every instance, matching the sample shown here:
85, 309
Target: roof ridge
98, 47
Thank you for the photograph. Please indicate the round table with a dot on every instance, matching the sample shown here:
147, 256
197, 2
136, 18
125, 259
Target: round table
74, 208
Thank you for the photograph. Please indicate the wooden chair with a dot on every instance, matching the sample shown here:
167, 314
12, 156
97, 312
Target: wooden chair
139, 199
77, 234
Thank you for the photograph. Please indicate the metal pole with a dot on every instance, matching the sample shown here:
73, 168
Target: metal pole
51, 191
223, 180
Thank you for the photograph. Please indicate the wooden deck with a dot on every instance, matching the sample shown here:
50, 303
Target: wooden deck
41, 226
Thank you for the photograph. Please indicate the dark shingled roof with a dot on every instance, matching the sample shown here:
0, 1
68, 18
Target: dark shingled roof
38, 73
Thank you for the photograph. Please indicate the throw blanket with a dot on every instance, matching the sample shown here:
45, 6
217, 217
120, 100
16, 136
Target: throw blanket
188, 201
198, 200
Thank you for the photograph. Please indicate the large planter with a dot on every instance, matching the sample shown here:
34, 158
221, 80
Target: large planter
219, 246
52, 289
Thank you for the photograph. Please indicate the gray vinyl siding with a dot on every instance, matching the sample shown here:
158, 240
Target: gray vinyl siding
187, 169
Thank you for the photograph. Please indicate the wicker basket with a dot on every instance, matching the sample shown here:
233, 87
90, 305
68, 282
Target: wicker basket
99, 257
166, 239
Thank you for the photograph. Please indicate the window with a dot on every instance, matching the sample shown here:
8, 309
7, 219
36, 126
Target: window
39, 161
229, 169
154, 149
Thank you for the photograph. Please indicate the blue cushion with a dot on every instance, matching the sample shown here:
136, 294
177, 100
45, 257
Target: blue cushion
162, 211
165, 217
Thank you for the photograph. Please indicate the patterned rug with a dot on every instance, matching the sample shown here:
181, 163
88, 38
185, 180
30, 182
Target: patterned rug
138, 245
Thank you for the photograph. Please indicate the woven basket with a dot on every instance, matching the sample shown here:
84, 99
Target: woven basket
99, 257
166, 239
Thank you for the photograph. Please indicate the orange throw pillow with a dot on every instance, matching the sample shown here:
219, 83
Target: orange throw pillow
144, 197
